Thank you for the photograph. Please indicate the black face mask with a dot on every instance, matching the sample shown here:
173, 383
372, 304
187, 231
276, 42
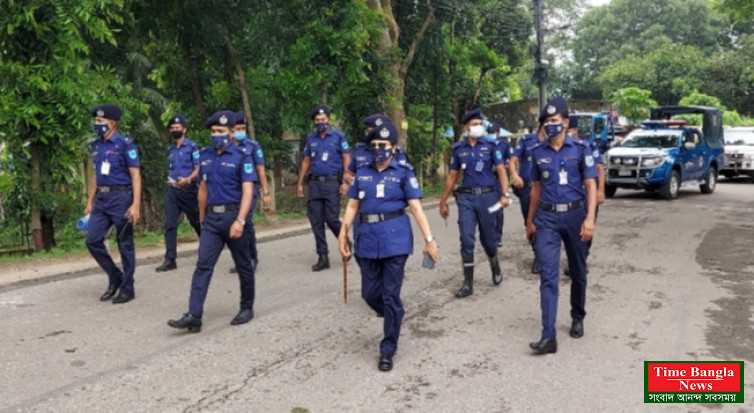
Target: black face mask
176, 134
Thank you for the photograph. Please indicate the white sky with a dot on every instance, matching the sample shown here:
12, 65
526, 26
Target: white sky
598, 2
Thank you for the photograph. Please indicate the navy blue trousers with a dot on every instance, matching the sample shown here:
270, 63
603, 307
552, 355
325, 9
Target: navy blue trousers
110, 209
552, 228
250, 223
179, 201
323, 207
381, 282
215, 235
472, 211
524, 198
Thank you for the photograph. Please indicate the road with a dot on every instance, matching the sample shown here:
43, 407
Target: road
667, 281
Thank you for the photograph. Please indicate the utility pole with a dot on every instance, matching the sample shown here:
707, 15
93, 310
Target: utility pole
540, 69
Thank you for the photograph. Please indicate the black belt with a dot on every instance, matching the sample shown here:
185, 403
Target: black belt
113, 188
219, 209
324, 178
568, 206
372, 218
476, 190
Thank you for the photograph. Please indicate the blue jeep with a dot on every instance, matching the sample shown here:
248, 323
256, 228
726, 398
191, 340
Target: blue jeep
667, 154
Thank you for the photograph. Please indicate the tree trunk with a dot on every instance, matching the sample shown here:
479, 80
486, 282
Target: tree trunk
242, 87
193, 80
36, 210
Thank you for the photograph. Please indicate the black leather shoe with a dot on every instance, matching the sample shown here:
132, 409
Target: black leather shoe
545, 346
535, 266
189, 322
166, 266
243, 317
322, 264
577, 329
385, 363
233, 270
111, 290
124, 297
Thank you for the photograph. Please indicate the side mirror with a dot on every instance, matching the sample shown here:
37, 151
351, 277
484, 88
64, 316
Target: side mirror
689, 145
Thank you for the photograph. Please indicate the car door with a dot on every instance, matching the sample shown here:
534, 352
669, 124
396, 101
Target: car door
690, 167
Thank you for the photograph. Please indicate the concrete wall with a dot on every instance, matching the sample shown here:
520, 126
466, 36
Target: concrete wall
513, 115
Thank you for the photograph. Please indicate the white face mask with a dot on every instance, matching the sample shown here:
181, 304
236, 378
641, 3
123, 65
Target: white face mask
476, 131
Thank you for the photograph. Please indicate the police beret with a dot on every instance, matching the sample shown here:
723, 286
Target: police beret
553, 106
493, 128
573, 121
240, 118
472, 114
177, 118
320, 109
107, 111
387, 132
376, 119
221, 118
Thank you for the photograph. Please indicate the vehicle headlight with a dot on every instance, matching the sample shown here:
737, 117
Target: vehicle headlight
652, 161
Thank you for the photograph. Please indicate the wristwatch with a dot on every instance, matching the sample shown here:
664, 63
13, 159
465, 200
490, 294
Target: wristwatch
265, 193
430, 239
507, 194
241, 221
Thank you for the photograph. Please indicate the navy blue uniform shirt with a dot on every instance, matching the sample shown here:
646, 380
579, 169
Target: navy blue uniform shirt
523, 152
181, 160
477, 163
225, 173
326, 153
118, 154
254, 150
562, 173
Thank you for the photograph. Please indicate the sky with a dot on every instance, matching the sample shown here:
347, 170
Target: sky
598, 2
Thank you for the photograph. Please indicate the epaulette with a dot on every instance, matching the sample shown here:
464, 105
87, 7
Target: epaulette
458, 144
406, 165
359, 145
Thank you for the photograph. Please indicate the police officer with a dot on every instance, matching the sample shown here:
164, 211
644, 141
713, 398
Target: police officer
254, 149
114, 199
361, 154
378, 198
563, 201
502, 145
183, 171
225, 190
520, 166
325, 156
483, 171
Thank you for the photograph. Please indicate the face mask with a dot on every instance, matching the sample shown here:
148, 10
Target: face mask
101, 129
476, 131
491, 137
239, 135
321, 127
176, 134
381, 155
220, 141
552, 130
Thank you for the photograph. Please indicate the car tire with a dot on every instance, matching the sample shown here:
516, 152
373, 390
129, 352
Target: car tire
670, 189
610, 190
710, 182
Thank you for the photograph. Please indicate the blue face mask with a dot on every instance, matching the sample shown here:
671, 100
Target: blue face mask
321, 127
552, 130
491, 137
381, 155
220, 141
101, 129
239, 136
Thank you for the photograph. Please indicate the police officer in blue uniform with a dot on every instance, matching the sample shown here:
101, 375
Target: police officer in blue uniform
379, 196
114, 199
520, 166
563, 202
183, 172
226, 176
254, 149
325, 156
361, 155
483, 171
502, 145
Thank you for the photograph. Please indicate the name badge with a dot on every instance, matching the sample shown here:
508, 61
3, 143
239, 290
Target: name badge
380, 191
324, 156
479, 166
563, 177
105, 168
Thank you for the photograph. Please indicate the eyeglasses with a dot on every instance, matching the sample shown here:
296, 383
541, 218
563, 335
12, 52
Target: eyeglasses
380, 145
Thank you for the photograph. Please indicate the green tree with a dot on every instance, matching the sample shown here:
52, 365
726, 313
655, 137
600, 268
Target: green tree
633, 103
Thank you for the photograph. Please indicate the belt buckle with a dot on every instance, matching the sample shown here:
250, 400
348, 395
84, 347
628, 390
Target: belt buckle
476, 190
218, 209
561, 207
104, 189
372, 218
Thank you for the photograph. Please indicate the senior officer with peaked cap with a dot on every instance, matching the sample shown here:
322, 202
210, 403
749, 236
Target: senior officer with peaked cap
225, 189
562, 209
114, 199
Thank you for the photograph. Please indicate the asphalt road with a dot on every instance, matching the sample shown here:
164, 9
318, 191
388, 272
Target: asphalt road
667, 281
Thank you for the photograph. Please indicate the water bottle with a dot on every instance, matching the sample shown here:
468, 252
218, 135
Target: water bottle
82, 223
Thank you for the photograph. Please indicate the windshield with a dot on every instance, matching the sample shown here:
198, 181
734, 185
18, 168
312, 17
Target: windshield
650, 141
739, 137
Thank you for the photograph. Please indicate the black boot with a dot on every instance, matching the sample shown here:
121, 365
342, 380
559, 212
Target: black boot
468, 279
323, 263
497, 274
535, 266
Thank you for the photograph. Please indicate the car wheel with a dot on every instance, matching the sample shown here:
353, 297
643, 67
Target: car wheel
670, 189
610, 190
710, 182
